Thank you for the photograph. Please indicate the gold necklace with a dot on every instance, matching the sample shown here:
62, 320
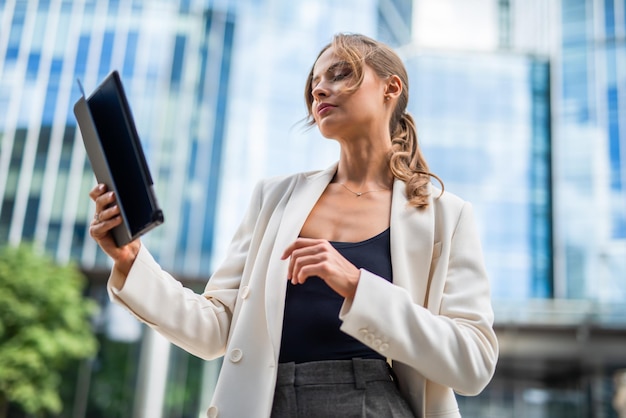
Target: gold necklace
359, 194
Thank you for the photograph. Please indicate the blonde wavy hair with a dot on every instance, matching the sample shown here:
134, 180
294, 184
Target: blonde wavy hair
406, 160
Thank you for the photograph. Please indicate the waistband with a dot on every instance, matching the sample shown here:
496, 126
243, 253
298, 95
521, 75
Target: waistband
357, 371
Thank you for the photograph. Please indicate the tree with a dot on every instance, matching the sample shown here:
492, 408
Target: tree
44, 324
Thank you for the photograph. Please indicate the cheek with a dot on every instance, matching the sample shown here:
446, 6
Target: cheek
365, 107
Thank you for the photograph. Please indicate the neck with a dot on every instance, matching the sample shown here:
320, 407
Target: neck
363, 170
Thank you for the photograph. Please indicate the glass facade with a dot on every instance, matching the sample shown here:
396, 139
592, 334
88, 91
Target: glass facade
590, 156
519, 106
175, 67
216, 91
395, 22
483, 123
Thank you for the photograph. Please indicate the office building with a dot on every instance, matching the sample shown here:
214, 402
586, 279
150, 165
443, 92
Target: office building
590, 151
216, 91
560, 317
519, 106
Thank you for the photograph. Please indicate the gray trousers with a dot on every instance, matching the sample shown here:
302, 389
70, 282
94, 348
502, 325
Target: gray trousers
338, 388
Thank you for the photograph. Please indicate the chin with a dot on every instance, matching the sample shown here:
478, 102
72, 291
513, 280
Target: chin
328, 130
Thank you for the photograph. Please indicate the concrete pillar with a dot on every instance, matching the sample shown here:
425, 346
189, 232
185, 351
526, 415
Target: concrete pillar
152, 376
619, 396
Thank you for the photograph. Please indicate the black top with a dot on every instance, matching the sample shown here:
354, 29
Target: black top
311, 323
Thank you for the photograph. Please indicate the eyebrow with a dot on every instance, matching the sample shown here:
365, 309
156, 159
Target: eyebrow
331, 68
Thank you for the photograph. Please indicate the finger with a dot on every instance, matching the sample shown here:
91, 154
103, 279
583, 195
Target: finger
99, 230
310, 264
98, 190
105, 200
296, 251
306, 271
300, 243
305, 268
109, 213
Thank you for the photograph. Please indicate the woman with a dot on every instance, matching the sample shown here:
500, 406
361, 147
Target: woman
334, 274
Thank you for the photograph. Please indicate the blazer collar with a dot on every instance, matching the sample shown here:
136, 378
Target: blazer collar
306, 192
412, 232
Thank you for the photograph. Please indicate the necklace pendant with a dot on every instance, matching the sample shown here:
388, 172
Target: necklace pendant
358, 194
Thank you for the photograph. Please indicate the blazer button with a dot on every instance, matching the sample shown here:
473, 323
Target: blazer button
212, 412
383, 347
236, 355
376, 343
363, 332
245, 292
369, 338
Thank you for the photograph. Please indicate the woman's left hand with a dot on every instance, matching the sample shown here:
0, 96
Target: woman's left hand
317, 257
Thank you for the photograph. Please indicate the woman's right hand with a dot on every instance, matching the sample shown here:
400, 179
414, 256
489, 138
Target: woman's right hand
106, 218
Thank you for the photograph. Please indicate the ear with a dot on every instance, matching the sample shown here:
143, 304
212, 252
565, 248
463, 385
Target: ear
393, 87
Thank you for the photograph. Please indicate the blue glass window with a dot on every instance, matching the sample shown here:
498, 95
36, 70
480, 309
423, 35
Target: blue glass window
575, 82
573, 21
90, 7
106, 54
8, 204
66, 148
52, 92
54, 233
218, 135
540, 183
81, 55
42, 146
609, 18
129, 56
137, 6
33, 65
15, 36
78, 239
614, 140
184, 6
113, 7
177, 60
30, 217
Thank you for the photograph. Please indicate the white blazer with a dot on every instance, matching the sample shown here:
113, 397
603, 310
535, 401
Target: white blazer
434, 323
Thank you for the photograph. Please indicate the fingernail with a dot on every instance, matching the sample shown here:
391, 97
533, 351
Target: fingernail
100, 187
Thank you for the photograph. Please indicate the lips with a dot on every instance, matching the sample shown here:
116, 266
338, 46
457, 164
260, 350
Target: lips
323, 108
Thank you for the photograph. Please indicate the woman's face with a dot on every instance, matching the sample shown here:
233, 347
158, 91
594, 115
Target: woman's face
341, 114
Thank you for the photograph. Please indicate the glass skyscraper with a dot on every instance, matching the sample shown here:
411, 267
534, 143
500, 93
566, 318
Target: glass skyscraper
216, 91
519, 106
174, 60
590, 151
483, 123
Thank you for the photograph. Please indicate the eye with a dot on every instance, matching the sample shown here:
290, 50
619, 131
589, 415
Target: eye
341, 74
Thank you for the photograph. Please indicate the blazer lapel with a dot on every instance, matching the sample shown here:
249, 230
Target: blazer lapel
412, 239
306, 193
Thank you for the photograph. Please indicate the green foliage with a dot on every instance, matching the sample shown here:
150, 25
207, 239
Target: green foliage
44, 323
113, 381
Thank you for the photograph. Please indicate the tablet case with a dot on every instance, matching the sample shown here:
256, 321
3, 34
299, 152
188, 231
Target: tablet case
117, 159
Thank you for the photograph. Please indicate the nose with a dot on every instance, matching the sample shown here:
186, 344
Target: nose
319, 90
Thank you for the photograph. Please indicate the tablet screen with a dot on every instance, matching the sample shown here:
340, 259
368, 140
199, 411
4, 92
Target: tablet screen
120, 144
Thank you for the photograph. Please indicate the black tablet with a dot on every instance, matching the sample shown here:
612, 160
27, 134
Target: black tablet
117, 158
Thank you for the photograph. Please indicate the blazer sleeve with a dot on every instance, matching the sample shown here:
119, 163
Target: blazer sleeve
198, 323
455, 347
